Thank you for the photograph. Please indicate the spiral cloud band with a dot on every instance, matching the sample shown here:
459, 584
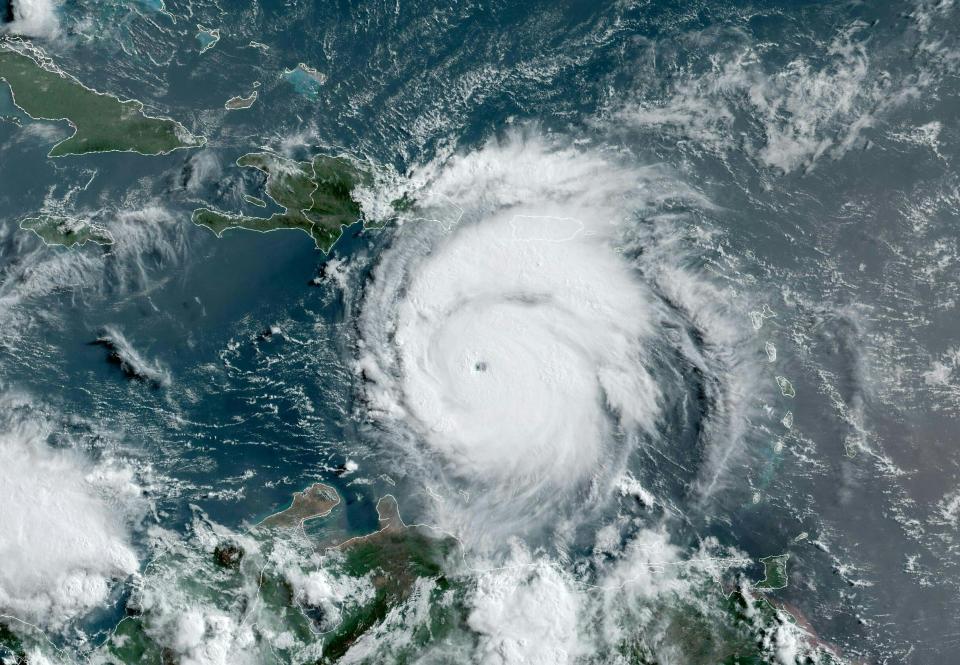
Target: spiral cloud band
519, 350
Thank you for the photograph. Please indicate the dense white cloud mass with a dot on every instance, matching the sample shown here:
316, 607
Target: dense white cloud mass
513, 341
63, 533
34, 18
513, 349
525, 614
519, 338
538, 320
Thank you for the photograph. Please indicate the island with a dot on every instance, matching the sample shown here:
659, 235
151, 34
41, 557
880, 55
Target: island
238, 102
774, 573
66, 231
305, 80
207, 37
315, 501
101, 122
786, 388
317, 198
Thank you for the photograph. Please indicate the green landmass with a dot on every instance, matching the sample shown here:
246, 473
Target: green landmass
774, 572
253, 200
66, 231
254, 586
714, 627
317, 198
129, 643
403, 204
102, 122
228, 554
396, 557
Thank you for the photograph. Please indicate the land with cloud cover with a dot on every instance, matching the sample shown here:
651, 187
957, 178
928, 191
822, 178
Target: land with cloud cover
66, 231
216, 595
141, 236
101, 122
276, 598
529, 356
547, 225
515, 355
317, 198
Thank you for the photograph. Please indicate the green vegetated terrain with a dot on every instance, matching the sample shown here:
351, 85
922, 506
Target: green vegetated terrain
397, 562
400, 560
774, 572
715, 629
11, 647
102, 122
316, 197
66, 231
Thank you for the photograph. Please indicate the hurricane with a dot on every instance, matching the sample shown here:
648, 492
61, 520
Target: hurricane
523, 353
